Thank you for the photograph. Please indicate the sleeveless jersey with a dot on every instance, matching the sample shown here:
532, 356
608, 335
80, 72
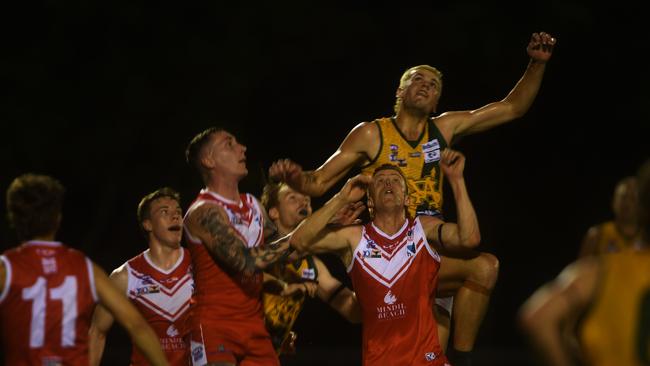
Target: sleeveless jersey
220, 294
418, 160
395, 278
611, 240
281, 312
616, 330
163, 298
46, 305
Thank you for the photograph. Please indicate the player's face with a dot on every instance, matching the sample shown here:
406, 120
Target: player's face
625, 200
421, 91
227, 154
292, 207
388, 190
165, 223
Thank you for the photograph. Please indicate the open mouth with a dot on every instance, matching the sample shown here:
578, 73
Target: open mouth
303, 212
174, 228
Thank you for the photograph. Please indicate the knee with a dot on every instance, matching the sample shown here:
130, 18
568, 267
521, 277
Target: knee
485, 270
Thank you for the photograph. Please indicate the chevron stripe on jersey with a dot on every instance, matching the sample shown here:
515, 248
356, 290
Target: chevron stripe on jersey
165, 293
387, 257
245, 216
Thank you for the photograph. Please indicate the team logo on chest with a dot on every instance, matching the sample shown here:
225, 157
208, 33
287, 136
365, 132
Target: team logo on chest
392, 308
431, 151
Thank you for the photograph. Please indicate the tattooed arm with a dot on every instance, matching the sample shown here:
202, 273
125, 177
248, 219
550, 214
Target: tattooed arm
210, 223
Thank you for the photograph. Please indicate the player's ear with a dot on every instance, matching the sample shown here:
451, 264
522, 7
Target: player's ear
147, 226
274, 214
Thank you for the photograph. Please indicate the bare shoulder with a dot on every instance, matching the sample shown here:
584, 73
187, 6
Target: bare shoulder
120, 277
364, 132
202, 212
352, 233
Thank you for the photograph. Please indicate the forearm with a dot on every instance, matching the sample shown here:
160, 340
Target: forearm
468, 230
271, 253
96, 345
310, 228
521, 97
146, 340
312, 183
346, 304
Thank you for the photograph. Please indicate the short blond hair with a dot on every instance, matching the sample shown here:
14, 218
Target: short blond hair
407, 75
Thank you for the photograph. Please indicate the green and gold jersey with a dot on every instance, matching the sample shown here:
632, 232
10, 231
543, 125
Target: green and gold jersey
418, 160
281, 312
616, 330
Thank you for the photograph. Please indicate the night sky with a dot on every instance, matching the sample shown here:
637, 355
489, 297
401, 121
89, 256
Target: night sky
105, 97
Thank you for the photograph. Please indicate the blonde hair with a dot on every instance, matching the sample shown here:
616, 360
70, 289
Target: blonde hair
406, 76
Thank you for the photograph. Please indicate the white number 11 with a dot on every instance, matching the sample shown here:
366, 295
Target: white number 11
67, 293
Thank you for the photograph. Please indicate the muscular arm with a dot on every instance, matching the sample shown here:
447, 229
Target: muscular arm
344, 302
465, 234
103, 320
514, 105
359, 146
314, 236
210, 223
142, 336
544, 315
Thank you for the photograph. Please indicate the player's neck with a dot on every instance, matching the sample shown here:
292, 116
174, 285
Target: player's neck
163, 256
411, 125
227, 188
389, 222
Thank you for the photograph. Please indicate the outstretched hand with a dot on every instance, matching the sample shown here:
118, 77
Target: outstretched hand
285, 170
355, 188
540, 47
452, 163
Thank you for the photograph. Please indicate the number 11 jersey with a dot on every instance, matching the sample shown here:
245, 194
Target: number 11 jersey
46, 305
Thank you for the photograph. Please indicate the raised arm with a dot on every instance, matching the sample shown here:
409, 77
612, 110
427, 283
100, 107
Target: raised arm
314, 236
552, 307
359, 146
514, 105
336, 294
210, 223
465, 234
142, 336
103, 320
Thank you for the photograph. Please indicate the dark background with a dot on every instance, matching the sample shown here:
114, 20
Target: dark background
105, 96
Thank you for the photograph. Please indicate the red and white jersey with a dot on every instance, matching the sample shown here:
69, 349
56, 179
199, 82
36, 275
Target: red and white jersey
46, 305
163, 298
395, 279
220, 294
